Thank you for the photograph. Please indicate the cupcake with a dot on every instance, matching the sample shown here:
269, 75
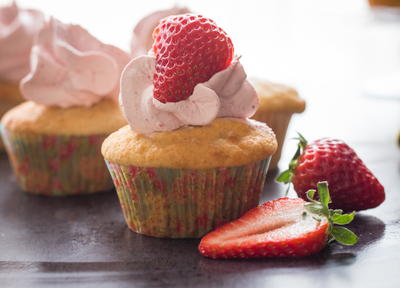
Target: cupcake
18, 28
278, 103
53, 140
190, 159
142, 38
384, 3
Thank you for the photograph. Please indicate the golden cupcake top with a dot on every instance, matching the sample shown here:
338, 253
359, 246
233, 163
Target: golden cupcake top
226, 142
9, 93
103, 117
276, 97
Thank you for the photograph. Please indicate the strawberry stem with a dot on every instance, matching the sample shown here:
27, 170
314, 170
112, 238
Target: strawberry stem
321, 208
287, 175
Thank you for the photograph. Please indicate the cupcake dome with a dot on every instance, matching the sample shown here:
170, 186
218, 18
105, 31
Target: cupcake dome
226, 142
278, 103
30, 117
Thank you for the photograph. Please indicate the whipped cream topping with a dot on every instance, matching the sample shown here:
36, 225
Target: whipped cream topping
142, 38
226, 94
18, 27
70, 67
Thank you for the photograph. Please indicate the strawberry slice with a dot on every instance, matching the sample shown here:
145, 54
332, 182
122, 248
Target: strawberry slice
281, 228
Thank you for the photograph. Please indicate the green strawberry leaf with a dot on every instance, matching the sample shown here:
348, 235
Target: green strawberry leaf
310, 194
302, 139
320, 208
344, 236
324, 193
315, 208
337, 211
343, 219
285, 177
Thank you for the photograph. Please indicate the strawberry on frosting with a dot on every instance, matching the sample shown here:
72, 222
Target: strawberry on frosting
192, 78
18, 27
142, 39
70, 67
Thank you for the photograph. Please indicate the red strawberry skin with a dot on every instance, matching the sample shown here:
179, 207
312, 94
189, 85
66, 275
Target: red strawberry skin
189, 49
352, 185
277, 228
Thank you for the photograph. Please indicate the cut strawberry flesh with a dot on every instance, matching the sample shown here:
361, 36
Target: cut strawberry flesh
279, 228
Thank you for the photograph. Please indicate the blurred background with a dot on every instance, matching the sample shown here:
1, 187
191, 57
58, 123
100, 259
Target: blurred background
342, 56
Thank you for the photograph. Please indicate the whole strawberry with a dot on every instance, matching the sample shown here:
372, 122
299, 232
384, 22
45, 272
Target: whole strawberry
283, 227
189, 49
352, 185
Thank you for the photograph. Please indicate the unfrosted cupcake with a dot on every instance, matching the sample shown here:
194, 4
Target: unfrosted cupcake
53, 140
142, 38
278, 103
18, 27
189, 160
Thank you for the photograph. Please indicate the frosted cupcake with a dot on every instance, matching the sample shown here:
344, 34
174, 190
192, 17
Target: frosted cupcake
53, 140
189, 160
18, 28
278, 103
142, 38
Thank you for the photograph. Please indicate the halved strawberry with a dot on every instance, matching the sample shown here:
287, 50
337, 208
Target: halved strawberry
281, 228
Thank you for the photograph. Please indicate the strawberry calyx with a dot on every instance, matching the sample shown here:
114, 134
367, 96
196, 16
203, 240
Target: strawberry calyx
334, 216
287, 175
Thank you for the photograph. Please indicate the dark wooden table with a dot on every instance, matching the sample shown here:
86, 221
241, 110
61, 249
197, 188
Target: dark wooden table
83, 241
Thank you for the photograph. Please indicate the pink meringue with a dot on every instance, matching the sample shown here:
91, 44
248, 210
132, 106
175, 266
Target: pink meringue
70, 67
18, 27
142, 35
226, 94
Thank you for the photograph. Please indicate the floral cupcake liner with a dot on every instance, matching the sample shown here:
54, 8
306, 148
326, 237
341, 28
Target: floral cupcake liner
184, 203
278, 122
57, 165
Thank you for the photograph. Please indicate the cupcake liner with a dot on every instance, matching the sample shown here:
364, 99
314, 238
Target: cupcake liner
278, 122
185, 203
57, 165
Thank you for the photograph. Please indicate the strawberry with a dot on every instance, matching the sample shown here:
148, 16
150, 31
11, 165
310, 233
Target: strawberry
281, 228
352, 184
189, 49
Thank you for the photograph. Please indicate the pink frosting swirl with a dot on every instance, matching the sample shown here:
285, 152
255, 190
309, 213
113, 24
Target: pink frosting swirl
226, 94
70, 67
18, 27
142, 38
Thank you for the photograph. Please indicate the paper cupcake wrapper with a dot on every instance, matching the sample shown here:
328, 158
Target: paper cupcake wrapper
57, 165
184, 203
279, 122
